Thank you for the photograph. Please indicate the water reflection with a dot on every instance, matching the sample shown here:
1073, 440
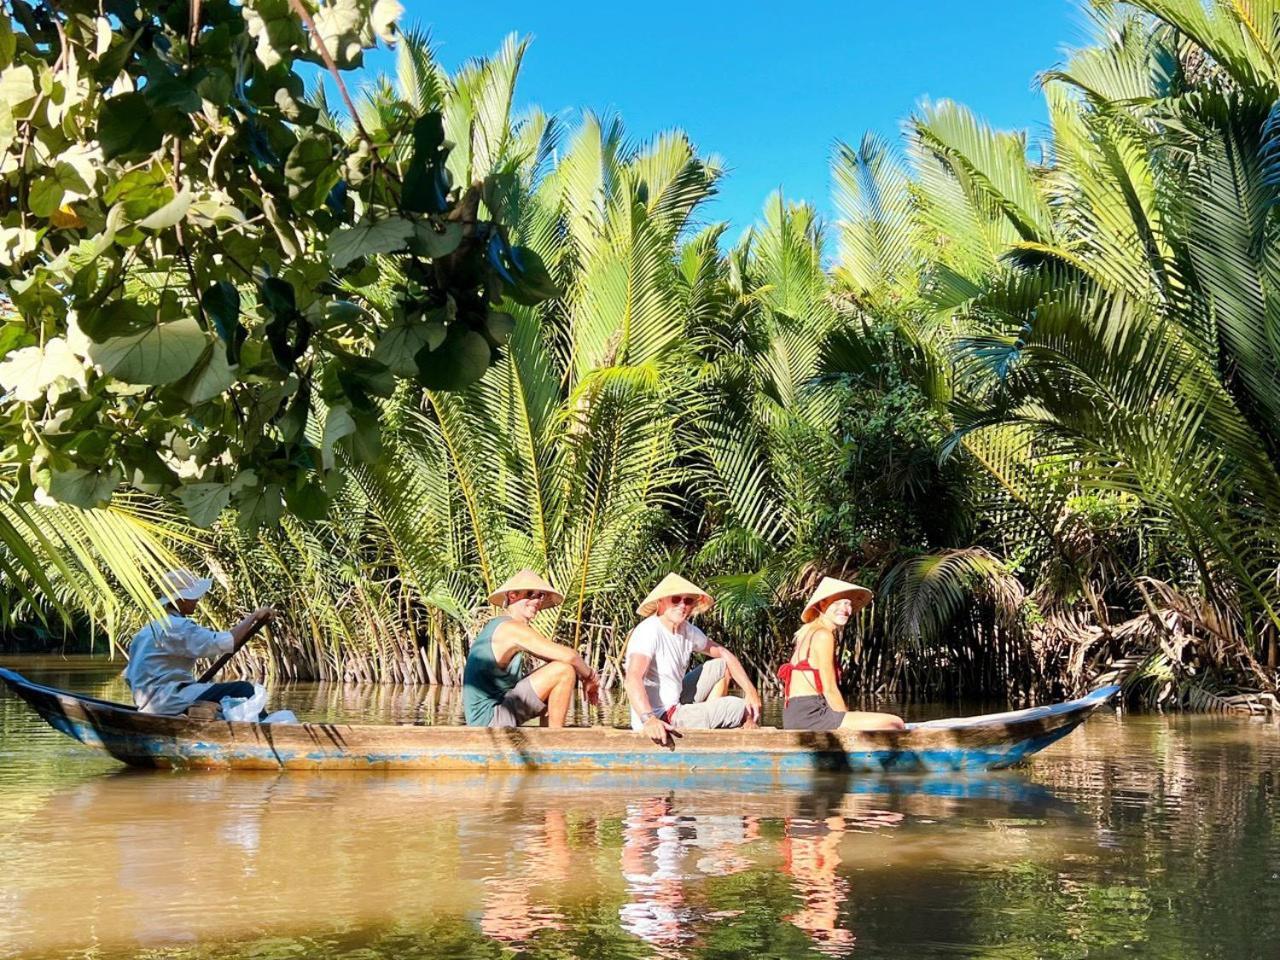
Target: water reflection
811, 856
663, 854
511, 913
1147, 836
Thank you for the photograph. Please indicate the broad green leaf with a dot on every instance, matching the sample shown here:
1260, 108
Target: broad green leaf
8, 43
400, 344
277, 295
126, 128
310, 170
175, 92
119, 318
259, 506
433, 243
383, 17
83, 488
344, 315
144, 469
458, 362
205, 501
17, 85
366, 443
426, 181
8, 127
498, 327
364, 377
13, 336
221, 303
45, 196
308, 502
163, 354
293, 423
170, 214
533, 283
370, 236
275, 27
347, 27
211, 376
338, 424
77, 171
28, 373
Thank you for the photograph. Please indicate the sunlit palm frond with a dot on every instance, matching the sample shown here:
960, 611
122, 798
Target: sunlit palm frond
876, 257
988, 164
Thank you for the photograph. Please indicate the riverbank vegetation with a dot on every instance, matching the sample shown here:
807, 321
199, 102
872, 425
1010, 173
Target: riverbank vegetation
1027, 391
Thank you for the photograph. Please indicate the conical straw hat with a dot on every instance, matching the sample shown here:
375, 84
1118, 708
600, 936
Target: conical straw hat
527, 580
674, 585
832, 589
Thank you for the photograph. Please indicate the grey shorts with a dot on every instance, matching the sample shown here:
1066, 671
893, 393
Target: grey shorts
810, 713
695, 712
519, 705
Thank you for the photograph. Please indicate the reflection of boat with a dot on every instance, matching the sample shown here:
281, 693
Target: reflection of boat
971, 743
542, 865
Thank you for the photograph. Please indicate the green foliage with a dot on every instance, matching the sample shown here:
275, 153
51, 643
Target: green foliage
1032, 402
178, 222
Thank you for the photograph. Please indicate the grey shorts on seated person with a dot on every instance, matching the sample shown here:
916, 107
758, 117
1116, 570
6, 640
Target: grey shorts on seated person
520, 704
696, 712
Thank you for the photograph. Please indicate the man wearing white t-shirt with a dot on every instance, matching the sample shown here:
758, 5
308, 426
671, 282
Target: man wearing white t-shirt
665, 695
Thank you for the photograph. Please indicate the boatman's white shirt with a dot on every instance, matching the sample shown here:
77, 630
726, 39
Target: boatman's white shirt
162, 658
668, 655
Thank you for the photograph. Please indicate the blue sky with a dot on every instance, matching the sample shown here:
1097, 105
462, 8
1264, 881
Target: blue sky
769, 87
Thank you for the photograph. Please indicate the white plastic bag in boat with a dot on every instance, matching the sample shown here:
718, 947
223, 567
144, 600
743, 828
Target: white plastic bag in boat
280, 716
245, 710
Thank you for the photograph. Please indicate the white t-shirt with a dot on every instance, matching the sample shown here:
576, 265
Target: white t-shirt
669, 655
162, 657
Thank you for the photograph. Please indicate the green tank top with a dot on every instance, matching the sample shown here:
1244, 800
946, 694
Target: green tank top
484, 683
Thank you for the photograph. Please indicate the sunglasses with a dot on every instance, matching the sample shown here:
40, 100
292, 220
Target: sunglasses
527, 595
684, 601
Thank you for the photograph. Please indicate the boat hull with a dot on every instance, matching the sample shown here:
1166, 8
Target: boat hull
145, 740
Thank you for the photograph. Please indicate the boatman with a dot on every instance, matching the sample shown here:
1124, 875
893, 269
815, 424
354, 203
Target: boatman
163, 654
665, 695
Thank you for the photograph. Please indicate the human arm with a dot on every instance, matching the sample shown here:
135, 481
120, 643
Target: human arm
739, 676
250, 621
512, 636
187, 638
822, 655
655, 728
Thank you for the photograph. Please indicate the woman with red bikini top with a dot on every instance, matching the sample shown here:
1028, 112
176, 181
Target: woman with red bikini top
811, 680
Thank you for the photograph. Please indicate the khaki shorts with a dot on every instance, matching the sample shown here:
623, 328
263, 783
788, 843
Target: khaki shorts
695, 712
518, 706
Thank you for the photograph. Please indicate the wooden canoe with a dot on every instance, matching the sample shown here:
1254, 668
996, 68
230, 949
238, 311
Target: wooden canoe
989, 742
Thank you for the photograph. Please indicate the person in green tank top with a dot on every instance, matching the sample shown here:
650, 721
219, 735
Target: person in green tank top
493, 694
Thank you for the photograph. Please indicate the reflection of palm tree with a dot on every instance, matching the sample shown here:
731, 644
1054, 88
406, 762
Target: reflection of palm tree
510, 913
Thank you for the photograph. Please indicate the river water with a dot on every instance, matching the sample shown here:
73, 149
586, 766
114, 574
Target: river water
1136, 836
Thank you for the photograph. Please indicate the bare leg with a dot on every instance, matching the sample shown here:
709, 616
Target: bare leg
554, 683
720, 689
856, 720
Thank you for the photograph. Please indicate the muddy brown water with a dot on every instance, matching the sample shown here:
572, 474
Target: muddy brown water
1137, 836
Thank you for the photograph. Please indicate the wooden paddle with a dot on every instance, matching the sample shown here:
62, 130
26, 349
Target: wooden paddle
222, 660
